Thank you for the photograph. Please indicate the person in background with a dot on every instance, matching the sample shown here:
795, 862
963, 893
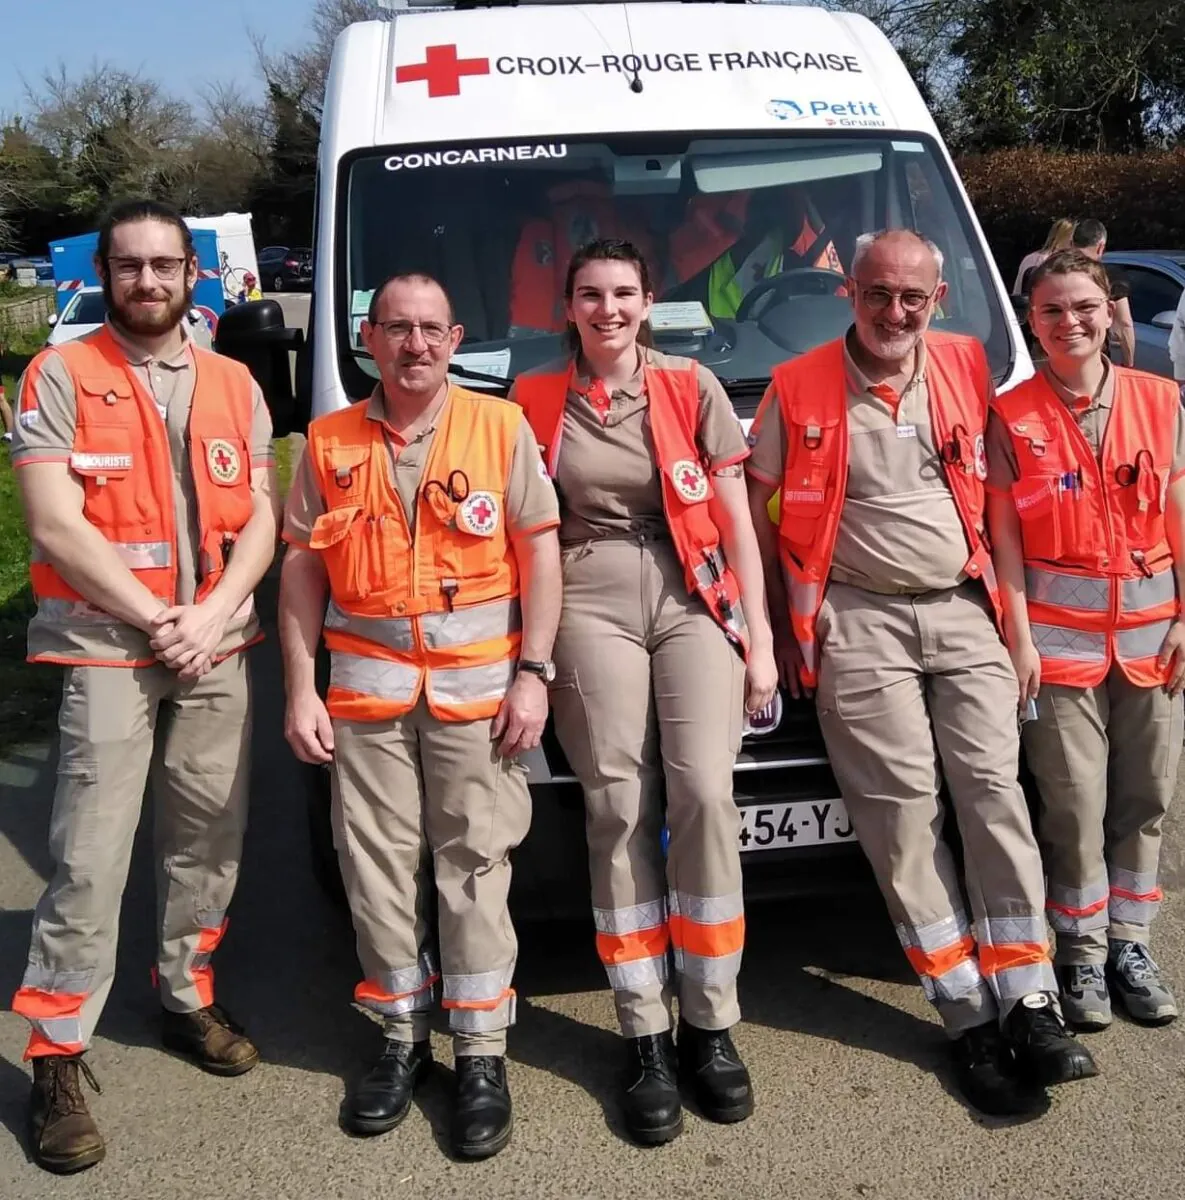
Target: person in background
6, 414
250, 289
1060, 237
663, 644
1086, 505
1177, 346
1090, 236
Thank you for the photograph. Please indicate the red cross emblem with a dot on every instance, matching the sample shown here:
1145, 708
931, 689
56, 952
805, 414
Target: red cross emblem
482, 511
690, 481
222, 460
478, 514
442, 70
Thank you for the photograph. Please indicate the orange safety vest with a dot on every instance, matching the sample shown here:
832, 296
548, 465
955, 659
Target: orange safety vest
1099, 576
582, 211
686, 484
121, 452
811, 391
437, 612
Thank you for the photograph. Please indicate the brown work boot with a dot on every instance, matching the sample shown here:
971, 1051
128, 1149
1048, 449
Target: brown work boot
63, 1136
211, 1039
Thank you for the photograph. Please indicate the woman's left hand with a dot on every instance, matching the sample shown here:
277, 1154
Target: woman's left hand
761, 678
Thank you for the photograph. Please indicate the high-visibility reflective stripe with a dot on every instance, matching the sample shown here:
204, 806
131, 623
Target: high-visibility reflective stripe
1053, 641
804, 598
1140, 593
961, 980
1134, 896
716, 970
403, 980
469, 685
485, 989
935, 936
56, 1018
53, 611
1142, 642
1132, 881
480, 1020
937, 963
703, 572
1088, 593
1014, 983
1001, 931
373, 677
616, 948
708, 910
1008, 955
709, 941
1078, 910
461, 627
640, 973
631, 918
200, 970
370, 995
143, 556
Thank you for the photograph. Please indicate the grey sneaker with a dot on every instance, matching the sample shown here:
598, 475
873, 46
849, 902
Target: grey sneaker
1086, 1005
1135, 979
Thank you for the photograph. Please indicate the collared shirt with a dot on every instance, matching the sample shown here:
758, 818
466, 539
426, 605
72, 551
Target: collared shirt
607, 474
900, 530
530, 498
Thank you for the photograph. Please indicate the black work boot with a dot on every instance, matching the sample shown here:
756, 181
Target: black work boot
63, 1136
211, 1038
383, 1097
482, 1118
1045, 1049
709, 1062
650, 1091
987, 1074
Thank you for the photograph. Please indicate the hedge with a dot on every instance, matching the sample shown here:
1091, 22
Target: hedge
1018, 194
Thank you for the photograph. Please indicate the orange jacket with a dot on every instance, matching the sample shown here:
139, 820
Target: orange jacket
436, 612
686, 483
1099, 574
811, 391
121, 451
582, 211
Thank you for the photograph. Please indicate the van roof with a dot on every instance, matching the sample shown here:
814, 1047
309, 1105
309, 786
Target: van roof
546, 72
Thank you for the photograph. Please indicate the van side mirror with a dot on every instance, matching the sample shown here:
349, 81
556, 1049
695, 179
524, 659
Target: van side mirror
1164, 320
255, 334
1021, 306
52, 319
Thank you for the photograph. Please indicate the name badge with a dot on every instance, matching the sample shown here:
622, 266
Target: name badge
907, 431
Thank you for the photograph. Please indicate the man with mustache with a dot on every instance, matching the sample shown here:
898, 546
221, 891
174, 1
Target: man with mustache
423, 515
145, 466
876, 442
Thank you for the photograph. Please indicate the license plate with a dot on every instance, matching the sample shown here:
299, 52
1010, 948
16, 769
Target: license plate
794, 824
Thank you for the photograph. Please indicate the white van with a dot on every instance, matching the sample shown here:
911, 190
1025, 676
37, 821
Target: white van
744, 147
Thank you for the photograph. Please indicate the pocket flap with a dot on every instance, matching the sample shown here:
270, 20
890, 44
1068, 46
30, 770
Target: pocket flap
809, 417
104, 385
345, 457
329, 528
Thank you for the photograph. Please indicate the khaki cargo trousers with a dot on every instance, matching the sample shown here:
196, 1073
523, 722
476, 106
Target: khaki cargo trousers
914, 689
649, 697
111, 720
1105, 760
418, 801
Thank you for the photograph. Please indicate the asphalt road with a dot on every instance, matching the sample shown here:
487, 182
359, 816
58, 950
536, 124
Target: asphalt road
853, 1099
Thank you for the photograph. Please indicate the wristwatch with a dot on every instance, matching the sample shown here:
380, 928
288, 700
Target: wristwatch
545, 670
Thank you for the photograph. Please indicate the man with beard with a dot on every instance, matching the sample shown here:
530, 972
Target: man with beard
145, 466
876, 441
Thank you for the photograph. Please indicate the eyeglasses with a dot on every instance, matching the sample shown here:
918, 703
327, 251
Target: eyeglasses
433, 332
912, 301
129, 269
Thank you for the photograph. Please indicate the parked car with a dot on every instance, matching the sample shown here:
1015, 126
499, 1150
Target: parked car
85, 311
1157, 279
284, 267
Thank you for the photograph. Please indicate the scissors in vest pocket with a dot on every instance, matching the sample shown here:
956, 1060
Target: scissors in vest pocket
443, 498
1142, 474
959, 451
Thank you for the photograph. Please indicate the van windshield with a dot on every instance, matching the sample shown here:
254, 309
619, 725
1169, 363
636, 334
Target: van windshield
747, 239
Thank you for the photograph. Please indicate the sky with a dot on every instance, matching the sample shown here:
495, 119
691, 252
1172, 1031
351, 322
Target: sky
182, 45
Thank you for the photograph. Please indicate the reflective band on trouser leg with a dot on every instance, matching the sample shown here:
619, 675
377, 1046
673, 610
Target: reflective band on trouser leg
1055, 641
633, 944
1086, 593
1078, 910
1144, 641
1014, 957
1135, 897
56, 1018
479, 1003
943, 955
708, 936
1140, 594
399, 991
200, 970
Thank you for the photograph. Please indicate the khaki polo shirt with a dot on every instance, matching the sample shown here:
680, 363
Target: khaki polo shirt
45, 433
607, 474
530, 498
900, 530
1092, 413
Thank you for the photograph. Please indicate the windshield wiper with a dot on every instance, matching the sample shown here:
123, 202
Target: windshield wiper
453, 369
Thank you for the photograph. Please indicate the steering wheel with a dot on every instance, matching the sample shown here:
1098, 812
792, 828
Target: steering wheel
780, 282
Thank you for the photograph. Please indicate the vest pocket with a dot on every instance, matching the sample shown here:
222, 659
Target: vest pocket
340, 537
1038, 504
